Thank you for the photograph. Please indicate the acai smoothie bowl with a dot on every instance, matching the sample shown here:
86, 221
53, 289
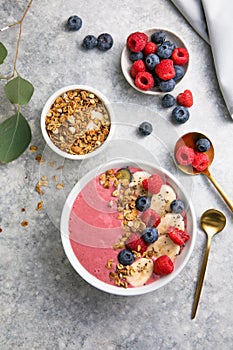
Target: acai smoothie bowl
128, 228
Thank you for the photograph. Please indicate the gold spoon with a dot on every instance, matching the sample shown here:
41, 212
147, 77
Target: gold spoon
212, 221
189, 140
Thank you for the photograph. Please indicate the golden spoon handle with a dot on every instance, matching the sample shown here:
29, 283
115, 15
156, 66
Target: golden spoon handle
201, 277
220, 190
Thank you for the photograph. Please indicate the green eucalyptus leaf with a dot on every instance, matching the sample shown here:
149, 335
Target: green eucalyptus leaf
15, 136
3, 53
19, 91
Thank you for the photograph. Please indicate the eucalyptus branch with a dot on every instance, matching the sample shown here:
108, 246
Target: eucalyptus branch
20, 23
15, 132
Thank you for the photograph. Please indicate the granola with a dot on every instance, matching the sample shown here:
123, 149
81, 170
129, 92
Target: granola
78, 122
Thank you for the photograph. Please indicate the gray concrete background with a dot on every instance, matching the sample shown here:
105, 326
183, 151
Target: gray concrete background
44, 304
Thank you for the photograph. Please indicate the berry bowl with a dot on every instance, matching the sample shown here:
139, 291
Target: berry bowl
154, 61
128, 228
77, 121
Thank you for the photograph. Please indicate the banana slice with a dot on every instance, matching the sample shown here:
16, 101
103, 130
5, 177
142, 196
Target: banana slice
143, 270
164, 246
161, 201
170, 219
136, 182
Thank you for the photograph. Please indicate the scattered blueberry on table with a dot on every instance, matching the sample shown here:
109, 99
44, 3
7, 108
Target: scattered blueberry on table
168, 101
180, 115
145, 129
89, 42
74, 23
104, 42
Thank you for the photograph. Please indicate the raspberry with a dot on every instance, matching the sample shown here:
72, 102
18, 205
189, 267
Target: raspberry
185, 155
163, 265
180, 56
150, 218
178, 236
136, 41
149, 48
153, 184
185, 98
137, 67
145, 184
165, 70
201, 161
144, 81
136, 243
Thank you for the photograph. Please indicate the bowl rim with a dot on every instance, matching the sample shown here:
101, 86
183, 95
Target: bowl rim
47, 106
64, 231
124, 67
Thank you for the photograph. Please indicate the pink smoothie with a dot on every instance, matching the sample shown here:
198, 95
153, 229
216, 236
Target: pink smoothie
94, 228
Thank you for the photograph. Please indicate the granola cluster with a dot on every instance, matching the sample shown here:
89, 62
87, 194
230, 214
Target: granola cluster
78, 122
125, 196
120, 274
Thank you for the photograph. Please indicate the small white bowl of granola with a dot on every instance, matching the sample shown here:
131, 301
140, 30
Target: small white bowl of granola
77, 122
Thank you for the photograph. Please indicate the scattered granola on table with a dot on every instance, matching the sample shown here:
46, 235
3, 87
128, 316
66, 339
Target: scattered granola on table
39, 206
77, 122
33, 148
60, 185
43, 182
24, 223
39, 158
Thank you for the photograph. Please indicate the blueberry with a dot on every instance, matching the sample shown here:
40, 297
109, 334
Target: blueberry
151, 61
150, 234
125, 257
135, 56
74, 23
89, 42
164, 50
142, 203
168, 101
180, 114
170, 43
167, 85
179, 72
157, 80
105, 42
202, 145
177, 206
145, 129
158, 37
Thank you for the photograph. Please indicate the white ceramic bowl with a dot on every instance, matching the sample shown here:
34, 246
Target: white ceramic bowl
126, 63
181, 260
48, 105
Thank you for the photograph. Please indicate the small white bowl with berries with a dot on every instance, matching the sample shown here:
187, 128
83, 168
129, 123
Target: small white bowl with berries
154, 61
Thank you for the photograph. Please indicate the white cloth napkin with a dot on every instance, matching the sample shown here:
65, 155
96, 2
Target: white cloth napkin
212, 19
